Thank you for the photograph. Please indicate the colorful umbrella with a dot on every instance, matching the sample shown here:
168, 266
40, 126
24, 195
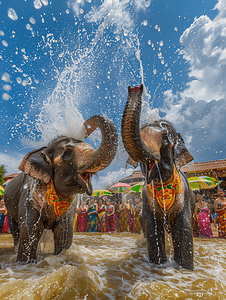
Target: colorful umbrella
120, 187
203, 182
137, 187
1, 190
101, 192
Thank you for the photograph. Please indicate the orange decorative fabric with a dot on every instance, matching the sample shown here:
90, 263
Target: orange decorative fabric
165, 193
60, 204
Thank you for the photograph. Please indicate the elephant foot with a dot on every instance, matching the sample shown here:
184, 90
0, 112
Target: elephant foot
185, 264
157, 260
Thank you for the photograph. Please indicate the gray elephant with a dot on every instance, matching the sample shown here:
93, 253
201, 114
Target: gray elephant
43, 195
168, 201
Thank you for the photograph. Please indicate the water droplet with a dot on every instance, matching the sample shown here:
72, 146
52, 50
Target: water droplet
161, 43
28, 26
2, 33
149, 42
4, 43
37, 4
5, 96
32, 20
67, 11
7, 87
156, 27
175, 29
24, 82
154, 71
12, 14
19, 80
6, 77
45, 2
202, 126
145, 22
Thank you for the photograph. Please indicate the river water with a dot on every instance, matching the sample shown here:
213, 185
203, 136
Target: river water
114, 266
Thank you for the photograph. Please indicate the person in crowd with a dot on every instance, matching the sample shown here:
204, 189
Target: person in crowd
92, 221
102, 216
116, 214
220, 209
203, 216
82, 217
130, 202
104, 198
110, 210
136, 212
124, 216
3, 212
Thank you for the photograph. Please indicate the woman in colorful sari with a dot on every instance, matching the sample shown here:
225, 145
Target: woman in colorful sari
82, 218
2, 213
102, 216
92, 221
136, 212
110, 216
203, 215
220, 209
124, 216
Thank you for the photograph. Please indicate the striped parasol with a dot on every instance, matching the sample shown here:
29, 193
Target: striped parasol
137, 187
120, 187
1, 190
202, 182
101, 192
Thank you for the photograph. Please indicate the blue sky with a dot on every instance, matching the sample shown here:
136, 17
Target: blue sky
63, 61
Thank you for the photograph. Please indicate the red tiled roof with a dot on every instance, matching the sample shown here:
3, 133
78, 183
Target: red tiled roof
10, 176
205, 166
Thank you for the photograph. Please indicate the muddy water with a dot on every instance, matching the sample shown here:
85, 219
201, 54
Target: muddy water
114, 266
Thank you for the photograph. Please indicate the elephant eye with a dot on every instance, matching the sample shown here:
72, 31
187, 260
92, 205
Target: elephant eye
165, 138
67, 154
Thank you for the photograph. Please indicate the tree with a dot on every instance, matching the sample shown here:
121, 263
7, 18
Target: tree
2, 173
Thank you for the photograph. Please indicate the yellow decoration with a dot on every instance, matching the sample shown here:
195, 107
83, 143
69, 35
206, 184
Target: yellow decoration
60, 204
165, 193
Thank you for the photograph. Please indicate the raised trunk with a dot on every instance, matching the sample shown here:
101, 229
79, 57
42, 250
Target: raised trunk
103, 156
139, 149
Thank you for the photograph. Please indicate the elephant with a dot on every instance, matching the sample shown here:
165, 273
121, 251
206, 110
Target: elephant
168, 201
42, 196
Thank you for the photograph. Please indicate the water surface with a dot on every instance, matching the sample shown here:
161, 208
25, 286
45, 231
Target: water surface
114, 266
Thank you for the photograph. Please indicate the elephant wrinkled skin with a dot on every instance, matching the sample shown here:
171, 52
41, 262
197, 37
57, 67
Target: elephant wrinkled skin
168, 201
43, 195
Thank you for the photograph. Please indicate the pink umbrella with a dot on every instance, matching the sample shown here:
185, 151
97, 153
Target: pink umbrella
120, 187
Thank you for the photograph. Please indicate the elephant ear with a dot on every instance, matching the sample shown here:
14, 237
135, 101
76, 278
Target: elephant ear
181, 154
37, 164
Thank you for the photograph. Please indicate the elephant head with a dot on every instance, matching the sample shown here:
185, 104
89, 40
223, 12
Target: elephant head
71, 163
157, 146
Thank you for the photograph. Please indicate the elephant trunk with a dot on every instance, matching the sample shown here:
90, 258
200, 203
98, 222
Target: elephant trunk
102, 157
141, 146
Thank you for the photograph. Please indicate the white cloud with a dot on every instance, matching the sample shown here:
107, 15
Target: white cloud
112, 177
11, 162
198, 112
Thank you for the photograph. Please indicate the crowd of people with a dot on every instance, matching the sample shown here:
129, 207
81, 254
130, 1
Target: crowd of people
105, 215
204, 215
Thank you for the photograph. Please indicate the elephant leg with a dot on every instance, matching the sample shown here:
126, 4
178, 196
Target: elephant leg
14, 230
31, 228
155, 239
63, 235
183, 241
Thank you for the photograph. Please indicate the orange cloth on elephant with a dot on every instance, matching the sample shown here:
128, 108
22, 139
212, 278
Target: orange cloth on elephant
60, 204
165, 193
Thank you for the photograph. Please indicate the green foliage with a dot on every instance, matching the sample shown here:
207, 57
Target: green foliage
2, 173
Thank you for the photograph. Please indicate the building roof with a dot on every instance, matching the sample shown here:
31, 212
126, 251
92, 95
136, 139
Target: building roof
204, 166
10, 176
